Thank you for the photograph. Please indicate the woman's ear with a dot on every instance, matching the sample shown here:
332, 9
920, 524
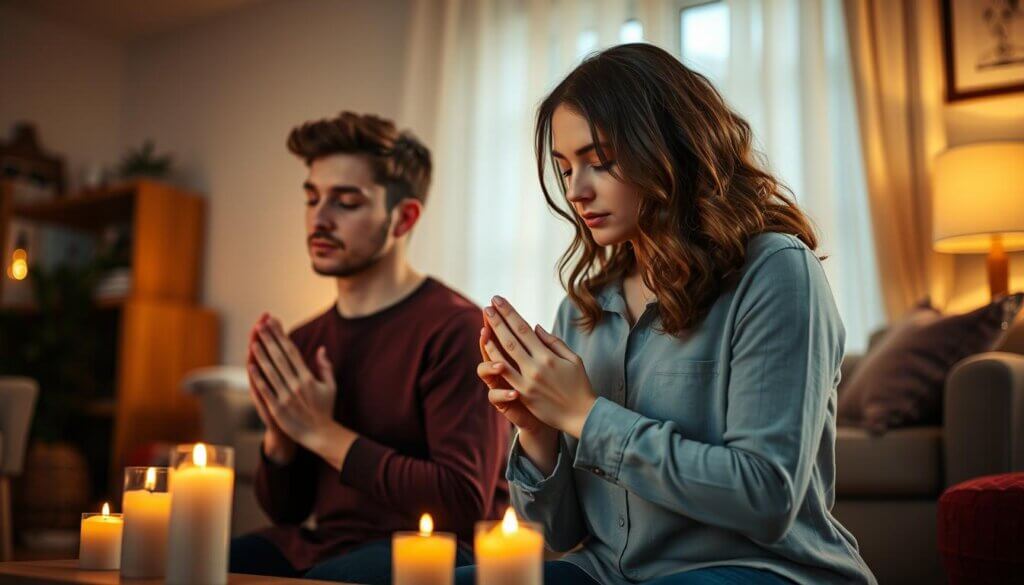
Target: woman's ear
405, 215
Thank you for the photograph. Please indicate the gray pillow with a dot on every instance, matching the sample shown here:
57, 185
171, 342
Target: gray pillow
901, 379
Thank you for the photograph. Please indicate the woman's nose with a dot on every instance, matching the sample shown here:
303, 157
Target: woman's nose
579, 191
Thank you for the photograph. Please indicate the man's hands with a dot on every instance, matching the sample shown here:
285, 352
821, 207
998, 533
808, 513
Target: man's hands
277, 445
296, 406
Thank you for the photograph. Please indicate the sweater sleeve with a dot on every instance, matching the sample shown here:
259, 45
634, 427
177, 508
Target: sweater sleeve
286, 492
786, 347
466, 439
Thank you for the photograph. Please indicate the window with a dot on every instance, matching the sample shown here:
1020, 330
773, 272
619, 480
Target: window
704, 39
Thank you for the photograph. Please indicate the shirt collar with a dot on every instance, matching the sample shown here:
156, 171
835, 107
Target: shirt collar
612, 298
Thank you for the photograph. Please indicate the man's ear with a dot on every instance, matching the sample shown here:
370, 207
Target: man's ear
405, 215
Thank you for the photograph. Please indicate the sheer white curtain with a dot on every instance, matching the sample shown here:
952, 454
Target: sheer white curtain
479, 68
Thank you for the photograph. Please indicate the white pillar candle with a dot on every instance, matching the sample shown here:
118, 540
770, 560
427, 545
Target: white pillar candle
99, 547
200, 525
147, 510
509, 552
424, 557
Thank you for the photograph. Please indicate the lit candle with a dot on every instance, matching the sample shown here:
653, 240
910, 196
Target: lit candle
100, 544
423, 558
509, 552
200, 525
147, 509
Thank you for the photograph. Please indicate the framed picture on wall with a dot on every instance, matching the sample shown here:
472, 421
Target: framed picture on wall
983, 43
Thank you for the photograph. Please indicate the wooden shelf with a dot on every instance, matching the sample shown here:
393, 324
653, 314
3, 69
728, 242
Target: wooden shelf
88, 210
102, 304
161, 331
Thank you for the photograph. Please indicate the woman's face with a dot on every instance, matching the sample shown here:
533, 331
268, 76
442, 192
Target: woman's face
608, 206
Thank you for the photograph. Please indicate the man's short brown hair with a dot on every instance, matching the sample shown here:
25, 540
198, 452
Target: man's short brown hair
401, 163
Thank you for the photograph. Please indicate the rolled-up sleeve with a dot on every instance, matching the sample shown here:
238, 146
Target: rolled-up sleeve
786, 346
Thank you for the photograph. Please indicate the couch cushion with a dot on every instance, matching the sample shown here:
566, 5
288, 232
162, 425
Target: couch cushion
903, 462
899, 382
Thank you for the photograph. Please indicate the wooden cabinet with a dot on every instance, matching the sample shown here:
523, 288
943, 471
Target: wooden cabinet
162, 331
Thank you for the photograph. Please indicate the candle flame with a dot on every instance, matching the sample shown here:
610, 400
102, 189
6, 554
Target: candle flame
510, 524
106, 509
426, 525
199, 455
150, 479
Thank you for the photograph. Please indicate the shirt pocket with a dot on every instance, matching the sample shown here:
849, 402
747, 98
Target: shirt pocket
681, 391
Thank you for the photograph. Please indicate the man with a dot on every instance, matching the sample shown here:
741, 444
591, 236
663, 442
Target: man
374, 414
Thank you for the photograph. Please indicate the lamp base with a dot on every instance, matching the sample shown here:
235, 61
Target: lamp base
998, 264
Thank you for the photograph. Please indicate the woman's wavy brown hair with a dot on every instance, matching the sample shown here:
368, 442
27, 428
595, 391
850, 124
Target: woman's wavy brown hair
703, 190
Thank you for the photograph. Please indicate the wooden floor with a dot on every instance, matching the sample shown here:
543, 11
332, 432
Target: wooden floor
63, 572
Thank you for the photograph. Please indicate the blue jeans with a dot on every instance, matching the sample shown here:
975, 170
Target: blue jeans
565, 573
369, 563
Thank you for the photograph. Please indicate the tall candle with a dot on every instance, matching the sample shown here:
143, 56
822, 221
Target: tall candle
100, 544
509, 552
147, 510
200, 525
424, 557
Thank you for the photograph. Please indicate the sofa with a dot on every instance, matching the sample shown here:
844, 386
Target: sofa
887, 486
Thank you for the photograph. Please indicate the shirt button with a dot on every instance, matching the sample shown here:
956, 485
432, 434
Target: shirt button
598, 472
622, 522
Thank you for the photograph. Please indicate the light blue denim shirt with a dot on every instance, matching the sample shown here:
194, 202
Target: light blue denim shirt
716, 448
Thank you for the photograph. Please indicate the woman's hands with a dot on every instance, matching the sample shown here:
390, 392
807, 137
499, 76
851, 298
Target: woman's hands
549, 383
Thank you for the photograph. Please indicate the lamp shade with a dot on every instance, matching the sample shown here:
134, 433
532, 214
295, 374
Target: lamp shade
979, 196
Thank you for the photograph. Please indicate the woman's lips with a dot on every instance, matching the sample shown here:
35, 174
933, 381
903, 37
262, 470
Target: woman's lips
595, 220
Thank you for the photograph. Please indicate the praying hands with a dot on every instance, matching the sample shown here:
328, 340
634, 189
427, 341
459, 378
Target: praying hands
296, 406
549, 384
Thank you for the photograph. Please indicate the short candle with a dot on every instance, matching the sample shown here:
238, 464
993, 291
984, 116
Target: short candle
99, 547
509, 552
423, 558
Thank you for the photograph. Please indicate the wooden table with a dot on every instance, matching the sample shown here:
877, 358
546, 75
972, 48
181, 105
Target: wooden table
62, 572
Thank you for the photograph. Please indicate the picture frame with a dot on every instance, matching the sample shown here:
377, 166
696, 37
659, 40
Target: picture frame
983, 47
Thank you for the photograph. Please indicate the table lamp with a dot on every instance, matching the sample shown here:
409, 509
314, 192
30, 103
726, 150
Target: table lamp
979, 205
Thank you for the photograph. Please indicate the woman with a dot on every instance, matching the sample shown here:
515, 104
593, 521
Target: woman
677, 425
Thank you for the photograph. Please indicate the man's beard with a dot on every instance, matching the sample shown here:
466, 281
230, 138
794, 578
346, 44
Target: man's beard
353, 266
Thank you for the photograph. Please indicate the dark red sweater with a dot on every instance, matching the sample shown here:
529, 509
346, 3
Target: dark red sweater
429, 439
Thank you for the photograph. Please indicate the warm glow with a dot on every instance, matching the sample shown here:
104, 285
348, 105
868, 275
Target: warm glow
510, 524
199, 455
977, 193
19, 269
151, 479
426, 525
106, 509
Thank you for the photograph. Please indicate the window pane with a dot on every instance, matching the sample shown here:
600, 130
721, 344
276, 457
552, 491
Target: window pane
586, 43
632, 31
704, 39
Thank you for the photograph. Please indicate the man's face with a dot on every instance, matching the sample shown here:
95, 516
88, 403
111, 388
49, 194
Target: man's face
347, 220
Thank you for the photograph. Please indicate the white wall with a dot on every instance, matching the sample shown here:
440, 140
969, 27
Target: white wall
67, 82
222, 95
